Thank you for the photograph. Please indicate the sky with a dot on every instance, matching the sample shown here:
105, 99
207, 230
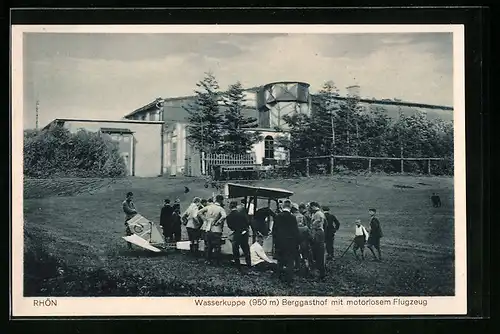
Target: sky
106, 76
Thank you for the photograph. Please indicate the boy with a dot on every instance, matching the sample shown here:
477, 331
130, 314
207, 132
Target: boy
360, 236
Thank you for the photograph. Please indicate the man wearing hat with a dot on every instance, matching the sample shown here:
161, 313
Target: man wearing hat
285, 237
360, 236
130, 211
331, 226
214, 217
192, 225
238, 222
375, 234
304, 250
304, 210
318, 221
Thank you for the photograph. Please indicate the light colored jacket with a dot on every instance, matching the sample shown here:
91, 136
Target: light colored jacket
213, 216
191, 213
258, 255
317, 222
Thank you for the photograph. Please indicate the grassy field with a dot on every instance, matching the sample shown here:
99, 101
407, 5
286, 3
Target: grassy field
74, 226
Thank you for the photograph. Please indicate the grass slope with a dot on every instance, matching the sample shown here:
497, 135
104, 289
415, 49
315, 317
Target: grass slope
77, 225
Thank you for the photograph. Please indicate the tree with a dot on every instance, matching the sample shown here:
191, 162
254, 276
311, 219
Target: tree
325, 118
237, 139
205, 117
58, 152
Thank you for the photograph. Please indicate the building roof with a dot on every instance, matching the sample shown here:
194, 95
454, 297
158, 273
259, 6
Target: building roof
392, 102
152, 104
87, 120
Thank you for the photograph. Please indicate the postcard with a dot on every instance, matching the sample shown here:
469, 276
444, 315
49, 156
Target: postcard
197, 170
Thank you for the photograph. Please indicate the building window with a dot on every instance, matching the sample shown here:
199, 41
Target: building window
173, 153
269, 147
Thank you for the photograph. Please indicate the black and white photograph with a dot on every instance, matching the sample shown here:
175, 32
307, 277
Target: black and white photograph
238, 170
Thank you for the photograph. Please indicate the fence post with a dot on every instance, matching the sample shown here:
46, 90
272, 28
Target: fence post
307, 167
369, 165
402, 170
429, 166
332, 161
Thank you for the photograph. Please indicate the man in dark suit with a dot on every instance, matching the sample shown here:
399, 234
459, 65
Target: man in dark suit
285, 237
375, 235
166, 219
238, 222
331, 226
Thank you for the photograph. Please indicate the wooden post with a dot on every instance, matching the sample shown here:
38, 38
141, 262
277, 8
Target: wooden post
331, 165
369, 165
402, 170
307, 167
429, 166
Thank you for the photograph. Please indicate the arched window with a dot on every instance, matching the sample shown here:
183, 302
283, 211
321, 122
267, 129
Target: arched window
269, 147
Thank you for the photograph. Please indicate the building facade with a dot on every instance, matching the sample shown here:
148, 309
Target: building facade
268, 104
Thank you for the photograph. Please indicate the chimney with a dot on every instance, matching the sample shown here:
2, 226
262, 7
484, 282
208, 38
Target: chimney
353, 91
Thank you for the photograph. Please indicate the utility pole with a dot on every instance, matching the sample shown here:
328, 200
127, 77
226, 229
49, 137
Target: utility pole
36, 116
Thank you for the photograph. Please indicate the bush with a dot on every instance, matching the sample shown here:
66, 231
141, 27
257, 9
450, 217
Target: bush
56, 152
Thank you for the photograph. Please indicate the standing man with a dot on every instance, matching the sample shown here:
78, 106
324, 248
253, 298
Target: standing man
375, 234
214, 216
130, 211
176, 224
303, 209
303, 257
193, 225
285, 237
360, 236
318, 220
331, 226
166, 219
238, 222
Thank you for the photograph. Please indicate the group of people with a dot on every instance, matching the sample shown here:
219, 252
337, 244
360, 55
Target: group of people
303, 234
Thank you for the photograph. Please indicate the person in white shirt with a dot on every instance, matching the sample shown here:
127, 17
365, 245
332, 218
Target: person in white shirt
360, 236
258, 257
189, 219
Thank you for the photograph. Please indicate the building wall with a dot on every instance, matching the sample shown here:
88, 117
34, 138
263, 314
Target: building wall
260, 147
182, 159
177, 150
147, 143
